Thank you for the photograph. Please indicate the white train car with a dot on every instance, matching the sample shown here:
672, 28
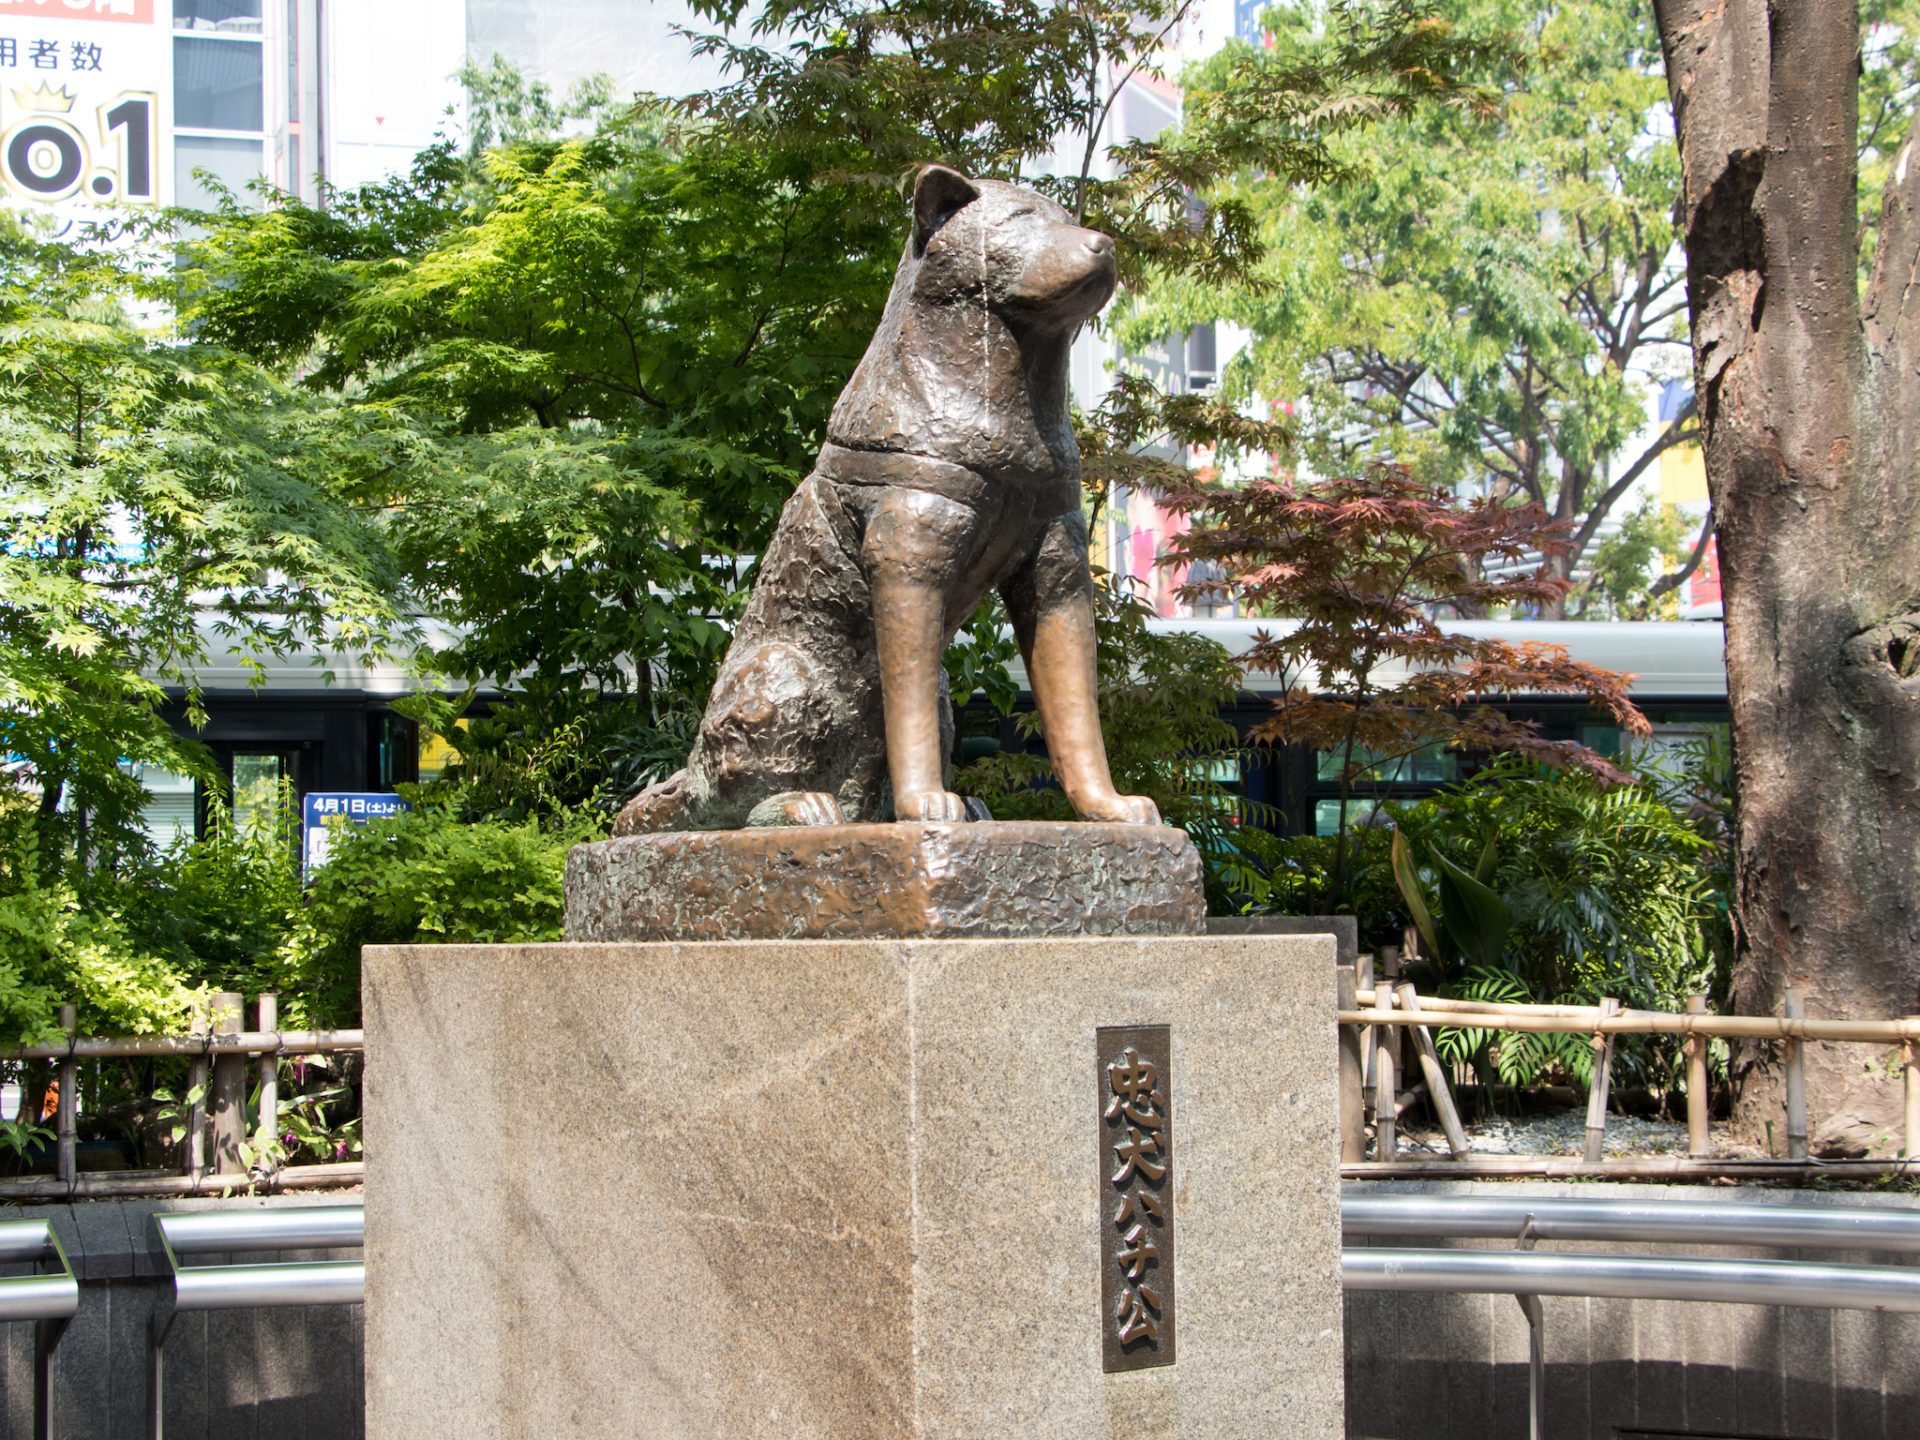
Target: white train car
327, 722
1678, 680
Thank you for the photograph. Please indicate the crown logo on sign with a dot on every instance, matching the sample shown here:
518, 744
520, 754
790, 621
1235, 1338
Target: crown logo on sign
45, 100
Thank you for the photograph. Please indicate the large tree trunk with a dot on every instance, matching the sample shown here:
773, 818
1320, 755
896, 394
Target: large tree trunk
1810, 407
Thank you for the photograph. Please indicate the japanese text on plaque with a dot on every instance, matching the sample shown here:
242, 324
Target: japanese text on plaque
1136, 1169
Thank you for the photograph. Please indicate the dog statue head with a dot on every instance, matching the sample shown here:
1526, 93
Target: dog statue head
969, 363
1015, 250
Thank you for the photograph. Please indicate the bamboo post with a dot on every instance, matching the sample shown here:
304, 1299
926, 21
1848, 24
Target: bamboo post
1437, 1089
1913, 1099
1699, 1098
1364, 979
1796, 1007
1597, 1091
197, 1107
67, 1121
1385, 1106
227, 1093
1353, 1104
267, 1020
1390, 968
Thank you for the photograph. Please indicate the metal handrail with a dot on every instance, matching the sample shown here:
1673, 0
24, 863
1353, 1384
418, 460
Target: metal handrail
1635, 1277
50, 1301
235, 1287
309, 1227
39, 1297
1662, 1222
1526, 1274
26, 1240
238, 1287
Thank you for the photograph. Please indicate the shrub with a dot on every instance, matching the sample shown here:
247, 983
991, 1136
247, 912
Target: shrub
426, 876
61, 943
1606, 889
218, 910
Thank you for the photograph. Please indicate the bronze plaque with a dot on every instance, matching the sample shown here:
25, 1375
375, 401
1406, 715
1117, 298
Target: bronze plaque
1135, 1064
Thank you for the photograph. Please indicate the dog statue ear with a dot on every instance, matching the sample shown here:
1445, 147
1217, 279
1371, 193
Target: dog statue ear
937, 194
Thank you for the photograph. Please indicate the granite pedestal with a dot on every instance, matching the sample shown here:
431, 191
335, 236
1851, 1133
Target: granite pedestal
734, 1190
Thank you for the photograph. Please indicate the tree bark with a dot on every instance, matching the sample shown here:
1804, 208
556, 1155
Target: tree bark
1809, 402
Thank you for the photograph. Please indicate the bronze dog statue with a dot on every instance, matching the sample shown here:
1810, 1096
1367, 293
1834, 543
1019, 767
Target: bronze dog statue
950, 470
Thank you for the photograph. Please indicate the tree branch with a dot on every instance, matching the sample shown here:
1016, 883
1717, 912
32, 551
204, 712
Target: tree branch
1679, 430
1675, 579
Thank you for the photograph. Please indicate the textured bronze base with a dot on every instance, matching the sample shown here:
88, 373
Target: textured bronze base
887, 881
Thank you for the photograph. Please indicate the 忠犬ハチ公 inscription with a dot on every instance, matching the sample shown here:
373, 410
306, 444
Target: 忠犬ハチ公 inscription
1136, 1195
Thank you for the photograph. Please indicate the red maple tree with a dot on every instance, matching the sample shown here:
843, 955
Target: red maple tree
1362, 569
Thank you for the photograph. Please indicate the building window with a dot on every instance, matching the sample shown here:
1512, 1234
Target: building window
234, 162
223, 17
218, 84
219, 98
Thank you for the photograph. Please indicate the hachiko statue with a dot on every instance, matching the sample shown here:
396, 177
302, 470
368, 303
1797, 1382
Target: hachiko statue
949, 470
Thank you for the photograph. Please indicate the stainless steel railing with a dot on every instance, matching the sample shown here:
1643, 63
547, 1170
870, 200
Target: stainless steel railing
50, 1301
1527, 1274
238, 1287
1647, 1222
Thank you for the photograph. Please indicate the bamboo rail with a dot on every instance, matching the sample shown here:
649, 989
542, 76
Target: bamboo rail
1597, 1090
1795, 1007
111, 1183
1589, 1020
1386, 1108
1699, 1100
1436, 1077
239, 1042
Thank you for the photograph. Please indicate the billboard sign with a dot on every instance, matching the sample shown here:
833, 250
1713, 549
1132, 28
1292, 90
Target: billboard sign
1703, 586
322, 813
82, 91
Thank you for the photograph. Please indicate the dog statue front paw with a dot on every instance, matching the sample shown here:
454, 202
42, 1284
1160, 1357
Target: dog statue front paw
1121, 810
930, 807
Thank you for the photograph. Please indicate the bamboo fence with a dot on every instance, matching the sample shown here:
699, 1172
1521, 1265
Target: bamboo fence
1374, 1070
218, 1050
1373, 1012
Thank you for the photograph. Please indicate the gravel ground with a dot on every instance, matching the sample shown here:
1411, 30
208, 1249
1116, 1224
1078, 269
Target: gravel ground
1562, 1133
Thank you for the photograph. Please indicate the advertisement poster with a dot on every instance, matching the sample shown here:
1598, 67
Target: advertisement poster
82, 86
323, 813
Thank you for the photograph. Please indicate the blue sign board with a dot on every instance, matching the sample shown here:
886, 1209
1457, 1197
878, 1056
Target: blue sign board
324, 812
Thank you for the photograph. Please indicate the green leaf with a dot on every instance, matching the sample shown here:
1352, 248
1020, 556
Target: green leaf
1489, 856
1408, 880
1476, 919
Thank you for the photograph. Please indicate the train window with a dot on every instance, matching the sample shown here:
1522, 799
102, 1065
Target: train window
1676, 749
1360, 811
436, 753
1429, 765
